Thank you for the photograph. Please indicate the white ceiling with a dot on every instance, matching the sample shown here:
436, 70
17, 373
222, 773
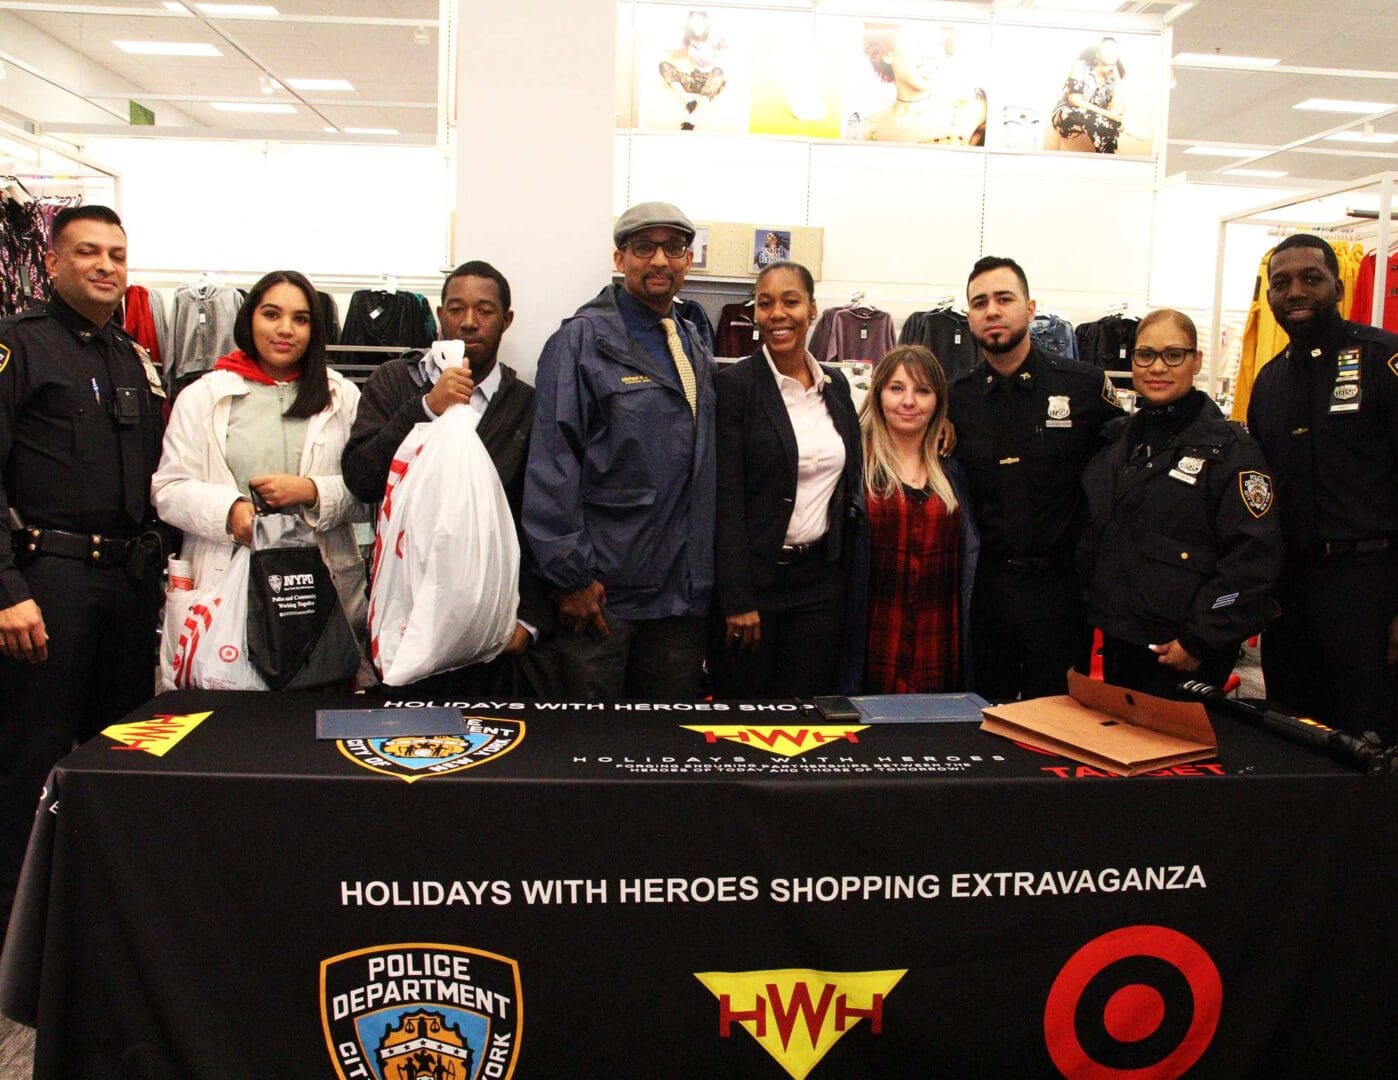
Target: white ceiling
372, 44
389, 55
1254, 108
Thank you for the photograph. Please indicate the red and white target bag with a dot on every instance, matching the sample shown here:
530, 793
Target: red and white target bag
444, 588
205, 641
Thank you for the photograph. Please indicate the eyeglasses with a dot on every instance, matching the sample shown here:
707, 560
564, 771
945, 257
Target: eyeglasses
1173, 356
645, 249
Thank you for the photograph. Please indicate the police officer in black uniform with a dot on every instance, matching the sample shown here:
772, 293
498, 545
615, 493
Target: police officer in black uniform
80, 429
1325, 413
1182, 546
1026, 425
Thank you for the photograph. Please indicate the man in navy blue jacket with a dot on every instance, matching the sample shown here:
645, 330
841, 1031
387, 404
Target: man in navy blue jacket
620, 485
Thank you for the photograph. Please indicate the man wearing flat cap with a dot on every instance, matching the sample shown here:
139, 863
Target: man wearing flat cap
620, 486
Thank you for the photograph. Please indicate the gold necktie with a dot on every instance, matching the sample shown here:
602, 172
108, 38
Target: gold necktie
682, 365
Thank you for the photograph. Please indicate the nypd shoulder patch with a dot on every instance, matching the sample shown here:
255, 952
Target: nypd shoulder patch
1109, 392
5, 357
1256, 490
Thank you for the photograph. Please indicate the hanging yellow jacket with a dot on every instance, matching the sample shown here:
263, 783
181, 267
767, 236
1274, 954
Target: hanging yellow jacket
1262, 340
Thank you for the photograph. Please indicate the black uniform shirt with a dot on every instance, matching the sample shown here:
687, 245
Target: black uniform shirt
1333, 451
65, 463
1023, 442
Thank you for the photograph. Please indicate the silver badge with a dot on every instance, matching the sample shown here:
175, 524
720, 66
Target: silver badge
1191, 466
1346, 391
1058, 406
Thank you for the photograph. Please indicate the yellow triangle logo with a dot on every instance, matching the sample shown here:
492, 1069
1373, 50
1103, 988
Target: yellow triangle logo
786, 740
798, 1014
156, 735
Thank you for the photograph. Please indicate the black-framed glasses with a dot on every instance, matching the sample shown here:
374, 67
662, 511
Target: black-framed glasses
1173, 356
645, 249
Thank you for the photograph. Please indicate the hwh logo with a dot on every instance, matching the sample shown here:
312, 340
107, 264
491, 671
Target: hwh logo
797, 1015
799, 1006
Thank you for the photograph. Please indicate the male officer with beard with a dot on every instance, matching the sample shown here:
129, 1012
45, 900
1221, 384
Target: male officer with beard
1026, 426
1325, 413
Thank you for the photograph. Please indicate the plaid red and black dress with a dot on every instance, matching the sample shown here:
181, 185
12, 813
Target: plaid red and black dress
914, 590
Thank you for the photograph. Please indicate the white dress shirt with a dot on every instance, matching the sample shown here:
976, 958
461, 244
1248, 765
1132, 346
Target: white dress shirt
820, 452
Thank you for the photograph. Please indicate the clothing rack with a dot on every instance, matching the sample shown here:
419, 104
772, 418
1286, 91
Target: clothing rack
1261, 215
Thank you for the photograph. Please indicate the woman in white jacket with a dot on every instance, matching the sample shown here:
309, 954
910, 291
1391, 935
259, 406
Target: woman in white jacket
270, 418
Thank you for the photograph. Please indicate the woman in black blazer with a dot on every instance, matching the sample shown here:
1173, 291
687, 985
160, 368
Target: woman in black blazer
789, 485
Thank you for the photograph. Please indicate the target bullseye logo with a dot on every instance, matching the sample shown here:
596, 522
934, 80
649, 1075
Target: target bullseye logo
228, 653
1141, 1002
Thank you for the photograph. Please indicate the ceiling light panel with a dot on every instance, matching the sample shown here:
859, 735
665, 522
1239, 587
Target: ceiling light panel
253, 107
1378, 138
338, 85
239, 11
167, 48
1341, 105
1189, 59
1220, 151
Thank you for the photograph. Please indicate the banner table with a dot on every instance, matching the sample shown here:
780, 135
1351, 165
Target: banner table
719, 890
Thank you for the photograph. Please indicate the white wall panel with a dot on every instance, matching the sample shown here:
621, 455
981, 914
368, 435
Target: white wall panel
252, 207
897, 215
1080, 226
721, 178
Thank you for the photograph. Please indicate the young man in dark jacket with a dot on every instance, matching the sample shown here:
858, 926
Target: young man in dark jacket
415, 388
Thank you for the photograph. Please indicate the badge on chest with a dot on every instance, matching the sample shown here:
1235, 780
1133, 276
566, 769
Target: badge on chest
1187, 470
1344, 398
1058, 412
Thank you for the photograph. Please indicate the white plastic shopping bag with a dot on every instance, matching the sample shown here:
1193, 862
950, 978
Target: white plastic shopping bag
445, 581
209, 636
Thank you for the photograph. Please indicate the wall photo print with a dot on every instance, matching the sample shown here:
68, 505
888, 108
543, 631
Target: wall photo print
770, 246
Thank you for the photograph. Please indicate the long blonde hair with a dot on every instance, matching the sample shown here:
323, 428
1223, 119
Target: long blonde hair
880, 454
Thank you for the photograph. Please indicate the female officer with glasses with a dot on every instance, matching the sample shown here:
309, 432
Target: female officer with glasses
1183, 545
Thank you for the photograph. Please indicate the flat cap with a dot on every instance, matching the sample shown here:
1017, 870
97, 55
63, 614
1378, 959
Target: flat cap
651, 215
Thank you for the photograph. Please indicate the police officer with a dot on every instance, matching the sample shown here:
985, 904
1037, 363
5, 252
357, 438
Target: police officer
1026, 426
1325, 413
80, 428
1182, 546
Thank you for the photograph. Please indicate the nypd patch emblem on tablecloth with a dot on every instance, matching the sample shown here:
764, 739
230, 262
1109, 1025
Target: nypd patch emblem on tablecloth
412, 757
1256, 489
421, 1010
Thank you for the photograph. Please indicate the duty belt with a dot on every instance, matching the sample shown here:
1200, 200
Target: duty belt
1326, 548
1031, 563
89, 547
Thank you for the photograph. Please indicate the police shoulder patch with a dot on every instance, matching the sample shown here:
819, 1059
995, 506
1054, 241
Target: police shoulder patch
5, 357
1256, 490
1392, 363
1109, 391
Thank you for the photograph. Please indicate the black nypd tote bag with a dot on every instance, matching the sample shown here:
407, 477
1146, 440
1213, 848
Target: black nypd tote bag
298, 636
